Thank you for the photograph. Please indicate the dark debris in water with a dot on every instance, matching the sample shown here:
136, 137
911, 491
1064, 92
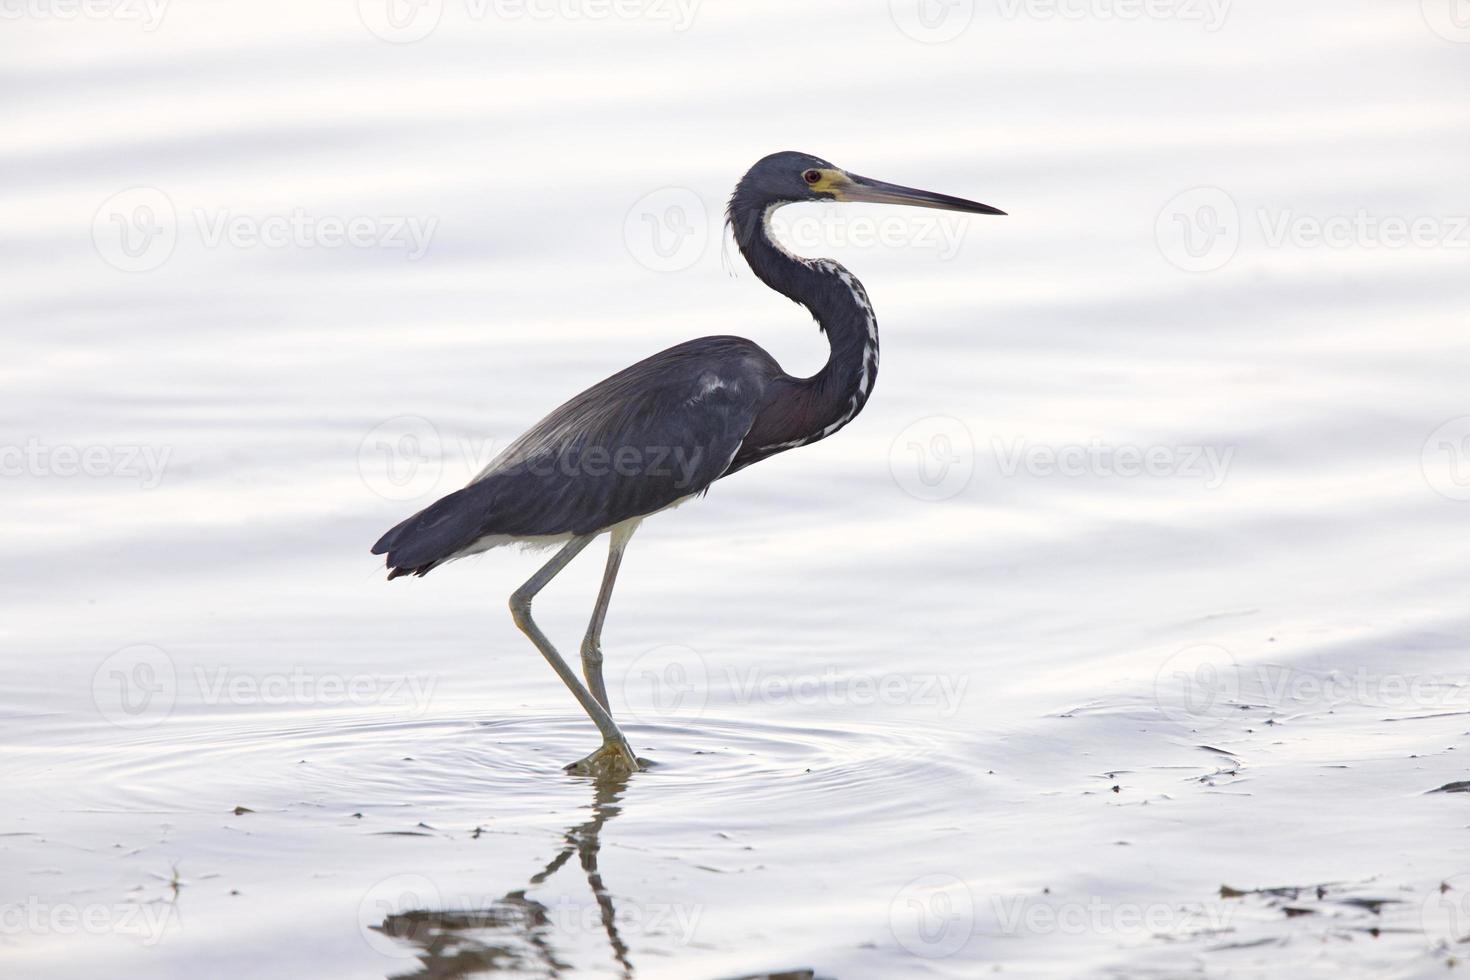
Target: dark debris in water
1251, 943
1327, 893
1338, 911
1459, 786
1281, 891
1374, 905
421, 830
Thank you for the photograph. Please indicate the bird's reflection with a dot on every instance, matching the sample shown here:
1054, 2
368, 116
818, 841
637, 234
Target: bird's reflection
516, 934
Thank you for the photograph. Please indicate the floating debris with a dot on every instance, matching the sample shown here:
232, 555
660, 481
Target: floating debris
1458, 786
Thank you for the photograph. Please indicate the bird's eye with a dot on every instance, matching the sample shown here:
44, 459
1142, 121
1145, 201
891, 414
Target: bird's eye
812, 176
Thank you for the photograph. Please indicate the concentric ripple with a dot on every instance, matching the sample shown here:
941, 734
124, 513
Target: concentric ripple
354, 764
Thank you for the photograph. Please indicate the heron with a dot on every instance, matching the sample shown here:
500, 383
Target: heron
662, 431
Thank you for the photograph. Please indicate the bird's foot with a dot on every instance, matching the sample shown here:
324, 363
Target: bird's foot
613, 759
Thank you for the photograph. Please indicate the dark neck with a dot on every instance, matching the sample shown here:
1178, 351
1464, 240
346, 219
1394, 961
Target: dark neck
834, 395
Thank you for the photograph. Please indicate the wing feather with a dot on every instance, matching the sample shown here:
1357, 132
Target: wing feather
633, 444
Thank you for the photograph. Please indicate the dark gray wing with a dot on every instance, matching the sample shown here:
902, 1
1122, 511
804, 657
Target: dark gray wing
633, 444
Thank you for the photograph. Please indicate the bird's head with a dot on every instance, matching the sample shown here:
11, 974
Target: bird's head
790, 177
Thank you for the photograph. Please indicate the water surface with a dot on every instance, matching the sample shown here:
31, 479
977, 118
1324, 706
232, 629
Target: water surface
1122, 635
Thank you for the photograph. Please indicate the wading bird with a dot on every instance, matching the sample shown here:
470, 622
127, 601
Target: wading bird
665, 429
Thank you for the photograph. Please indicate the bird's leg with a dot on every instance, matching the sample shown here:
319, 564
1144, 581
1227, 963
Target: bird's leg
615, 752
592, 642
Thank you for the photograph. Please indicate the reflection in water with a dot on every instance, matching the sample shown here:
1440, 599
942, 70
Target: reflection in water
517, 933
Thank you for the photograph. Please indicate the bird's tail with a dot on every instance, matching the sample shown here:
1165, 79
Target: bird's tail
435, 534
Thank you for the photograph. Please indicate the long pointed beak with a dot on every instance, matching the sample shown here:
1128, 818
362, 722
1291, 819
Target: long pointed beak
866, 189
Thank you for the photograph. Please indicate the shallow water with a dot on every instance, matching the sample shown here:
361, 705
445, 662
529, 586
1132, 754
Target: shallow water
1123, 634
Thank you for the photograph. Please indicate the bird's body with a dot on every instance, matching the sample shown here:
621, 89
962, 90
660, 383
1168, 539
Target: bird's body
666, 428
658, 431
629, 446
